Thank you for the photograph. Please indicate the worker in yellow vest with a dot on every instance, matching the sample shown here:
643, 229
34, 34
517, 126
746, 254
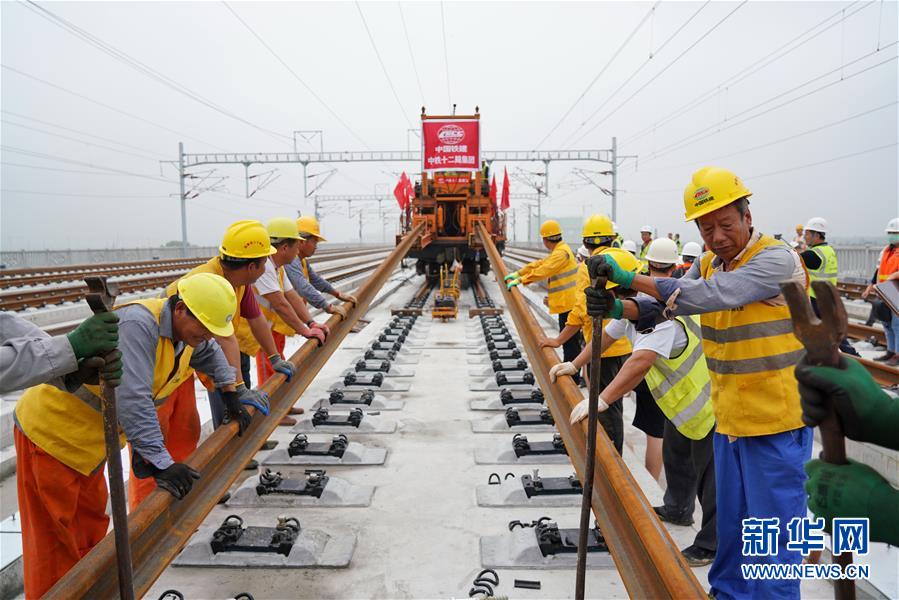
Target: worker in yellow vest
597, 234
761, 443
670, 358
60, 448
559, 269
308, 284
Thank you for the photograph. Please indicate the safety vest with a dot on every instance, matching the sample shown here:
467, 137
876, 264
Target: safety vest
561, 292
751, 352
681, 385
644, 248
827, 271
622, 345
245, 337
889, 263
305, 264
69, 427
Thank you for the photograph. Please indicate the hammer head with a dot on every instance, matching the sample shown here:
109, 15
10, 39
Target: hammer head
101, 294
821, 337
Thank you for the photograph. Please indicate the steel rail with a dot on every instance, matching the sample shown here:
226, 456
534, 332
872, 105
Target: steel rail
885, 375
860, 331
649, 562
161, 526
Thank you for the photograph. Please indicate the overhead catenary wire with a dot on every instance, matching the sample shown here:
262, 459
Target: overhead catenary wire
146, 70
302, 82
602, 71
374, 46
821, 162
411, 54
73, 139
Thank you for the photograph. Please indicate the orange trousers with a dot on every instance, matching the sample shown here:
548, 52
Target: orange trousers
63, 514
263, 366
180, 425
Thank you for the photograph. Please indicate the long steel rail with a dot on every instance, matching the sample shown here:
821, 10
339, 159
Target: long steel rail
161, 526
649, 562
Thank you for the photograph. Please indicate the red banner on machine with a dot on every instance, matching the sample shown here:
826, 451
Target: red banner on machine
450, 145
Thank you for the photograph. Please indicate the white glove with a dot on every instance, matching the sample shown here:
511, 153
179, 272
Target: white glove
579, 412
557, 370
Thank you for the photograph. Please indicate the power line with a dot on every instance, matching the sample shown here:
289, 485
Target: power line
40, 193
602, 71
108, 107
411, 54
449, 96
822, 162
659, 74
383, 67
144, 69
66, 137
43, 168
34, 154
290, 70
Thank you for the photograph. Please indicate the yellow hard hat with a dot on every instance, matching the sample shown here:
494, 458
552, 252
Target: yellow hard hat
598, 226
211, 299
308, 226
550, 228
283, 227
625, 260
710, 189
246, 239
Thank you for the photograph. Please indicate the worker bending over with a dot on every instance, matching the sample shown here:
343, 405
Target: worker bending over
307, 283
559, 269
29, 356
761, 443
60, 447
597, 235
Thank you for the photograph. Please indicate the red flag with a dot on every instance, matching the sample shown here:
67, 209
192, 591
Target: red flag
410, 189
493, 191
504, 205
400, 192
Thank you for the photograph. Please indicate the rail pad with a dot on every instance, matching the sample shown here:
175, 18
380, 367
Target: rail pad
518, 549
386, 386
370, 424
499, 424
378, 402
355, 454
504, 454
511, 493
337, 492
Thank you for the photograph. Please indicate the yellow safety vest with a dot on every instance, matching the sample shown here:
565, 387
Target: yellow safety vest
644, 248
578, 315
69, 427
751, 352
828, 269
245, 337
681, 385
559, 269
213, 265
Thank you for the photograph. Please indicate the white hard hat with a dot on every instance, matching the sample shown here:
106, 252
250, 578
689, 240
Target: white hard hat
583, 252
692, 249
646, 229
816, 224
663, 251
893, 226
630, 246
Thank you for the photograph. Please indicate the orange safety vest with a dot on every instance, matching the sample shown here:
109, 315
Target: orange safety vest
889, 263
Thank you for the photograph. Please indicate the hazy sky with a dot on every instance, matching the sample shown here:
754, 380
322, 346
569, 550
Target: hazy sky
799, 98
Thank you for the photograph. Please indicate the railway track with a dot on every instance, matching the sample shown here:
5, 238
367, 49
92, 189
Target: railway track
22, 298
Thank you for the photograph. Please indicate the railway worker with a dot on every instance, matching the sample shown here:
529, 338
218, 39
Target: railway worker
60, 447
690, 253
619, 239
646, 239
668, 359
582, 254
597, 235
761, 442
559, 269
630, 246
820, 260
866, 414
29, 356
282, 306
798, 242
308, 284
888, 268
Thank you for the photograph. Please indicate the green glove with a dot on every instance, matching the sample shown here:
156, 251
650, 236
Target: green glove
512, 275
855, 491
96, 336
510, 283
866, 413
605, 265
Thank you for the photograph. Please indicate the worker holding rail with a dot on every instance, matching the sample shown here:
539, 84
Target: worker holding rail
59, 440
559, 269
761, 443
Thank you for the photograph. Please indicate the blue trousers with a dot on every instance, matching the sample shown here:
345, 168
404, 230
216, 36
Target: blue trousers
757, 477
892, 332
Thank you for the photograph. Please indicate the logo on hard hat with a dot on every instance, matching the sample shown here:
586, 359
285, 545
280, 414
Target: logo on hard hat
702, 195
228, 318
451, 134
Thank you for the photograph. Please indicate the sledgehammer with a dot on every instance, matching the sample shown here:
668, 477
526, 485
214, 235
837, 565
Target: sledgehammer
100, 297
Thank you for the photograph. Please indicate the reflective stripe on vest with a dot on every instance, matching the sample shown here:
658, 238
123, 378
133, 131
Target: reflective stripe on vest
561, 286
245, 337
751, 352
681, 385
827, 270
69, 427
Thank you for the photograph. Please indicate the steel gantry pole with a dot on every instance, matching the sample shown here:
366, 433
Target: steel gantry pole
183, 200
614, 178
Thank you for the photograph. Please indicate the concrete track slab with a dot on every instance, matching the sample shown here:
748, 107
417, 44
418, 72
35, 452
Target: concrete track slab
337, 492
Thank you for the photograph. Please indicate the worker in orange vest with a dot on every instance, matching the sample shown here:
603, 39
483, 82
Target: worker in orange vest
888, 269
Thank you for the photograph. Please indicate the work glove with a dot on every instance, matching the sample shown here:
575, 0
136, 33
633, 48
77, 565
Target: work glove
604, 265
255, 398
234, 410
320, 326
510, 283
311, 334
96, 335
348, 298
855, 491
581, 409
176, 480
866, 413
560, 369
512, 275
285, 367
603, 304
337, 309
